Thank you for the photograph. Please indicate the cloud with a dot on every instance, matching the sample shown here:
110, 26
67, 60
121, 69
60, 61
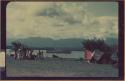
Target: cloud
59, 12
57, 20
50, 12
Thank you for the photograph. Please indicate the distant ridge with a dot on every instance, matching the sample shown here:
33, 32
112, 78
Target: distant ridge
74, 43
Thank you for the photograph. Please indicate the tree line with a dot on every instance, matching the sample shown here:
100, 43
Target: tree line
24, 52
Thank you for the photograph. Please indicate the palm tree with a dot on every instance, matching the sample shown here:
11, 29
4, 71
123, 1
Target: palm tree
24, 50
16, 47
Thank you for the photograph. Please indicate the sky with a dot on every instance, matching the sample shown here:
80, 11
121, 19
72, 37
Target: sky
60, 20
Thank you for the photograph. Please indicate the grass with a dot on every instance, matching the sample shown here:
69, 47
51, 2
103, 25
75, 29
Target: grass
58, 68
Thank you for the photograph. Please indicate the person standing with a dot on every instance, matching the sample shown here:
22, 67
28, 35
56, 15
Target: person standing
40, 55
88, 55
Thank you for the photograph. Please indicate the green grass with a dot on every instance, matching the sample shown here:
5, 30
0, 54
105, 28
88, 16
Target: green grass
58, 68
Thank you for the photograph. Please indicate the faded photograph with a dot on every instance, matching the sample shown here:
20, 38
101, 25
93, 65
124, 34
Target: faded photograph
2, 64
62, 39
2, 59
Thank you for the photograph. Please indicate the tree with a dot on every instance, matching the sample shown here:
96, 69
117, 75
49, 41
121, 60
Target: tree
99, 44
16, 46
21, 49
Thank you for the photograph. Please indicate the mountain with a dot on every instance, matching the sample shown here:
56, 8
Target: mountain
38, 42
70, 43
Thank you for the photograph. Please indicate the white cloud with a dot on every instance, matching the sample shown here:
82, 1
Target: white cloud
61, 20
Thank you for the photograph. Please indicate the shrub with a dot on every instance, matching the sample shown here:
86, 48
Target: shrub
81, 59
101, 45
55, 56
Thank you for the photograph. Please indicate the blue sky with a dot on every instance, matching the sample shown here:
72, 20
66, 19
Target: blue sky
62, 19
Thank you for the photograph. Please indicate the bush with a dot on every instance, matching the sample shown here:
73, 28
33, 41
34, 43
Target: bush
81, 59
101, 45
55, 56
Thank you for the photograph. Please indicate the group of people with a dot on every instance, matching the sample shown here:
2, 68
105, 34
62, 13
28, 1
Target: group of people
29, 54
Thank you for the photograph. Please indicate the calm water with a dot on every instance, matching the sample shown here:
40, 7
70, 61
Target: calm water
74, 54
